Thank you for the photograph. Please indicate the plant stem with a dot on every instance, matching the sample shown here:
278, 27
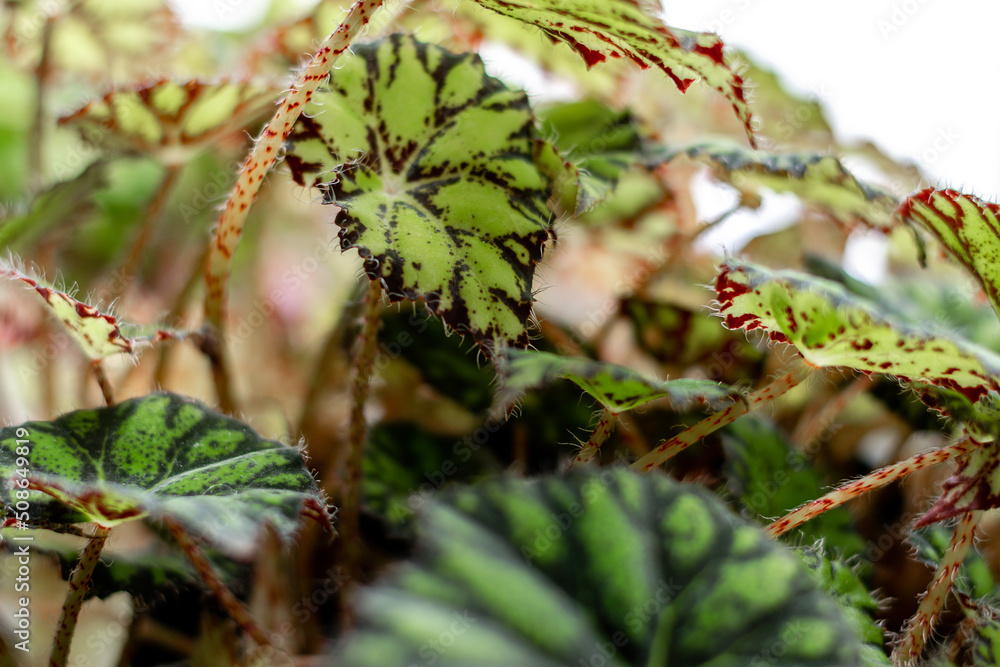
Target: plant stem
229, 229
360, 387
36, 174
667, 449
79, 583
604, 427
264, 153
102, 380
236, 610
919, 628
153, 215
869, 482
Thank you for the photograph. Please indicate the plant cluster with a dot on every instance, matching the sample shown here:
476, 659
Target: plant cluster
508, 423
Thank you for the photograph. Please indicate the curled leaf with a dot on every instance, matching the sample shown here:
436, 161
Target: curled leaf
626, 29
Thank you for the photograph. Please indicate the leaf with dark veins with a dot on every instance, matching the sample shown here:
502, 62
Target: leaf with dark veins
829, 326
616, 388
431, 162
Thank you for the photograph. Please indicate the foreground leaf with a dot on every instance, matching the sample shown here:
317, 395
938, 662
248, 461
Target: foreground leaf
831, 327
432, 166
603, 565
602, 29
967, 226
158, 457
815, 178
615, 387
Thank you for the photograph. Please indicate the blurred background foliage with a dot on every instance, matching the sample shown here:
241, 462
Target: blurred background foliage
122, 209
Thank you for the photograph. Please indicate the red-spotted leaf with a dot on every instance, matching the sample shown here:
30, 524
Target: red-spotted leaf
968, 226
97, 333
829, 326
602, 29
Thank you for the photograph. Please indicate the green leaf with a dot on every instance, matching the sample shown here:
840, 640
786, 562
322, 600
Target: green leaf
615, 387
170, 119
770, 478
986, 647
595, 567
675, 333
404, 466
628, 30
432, 167
843, 583
444, 365
155, 457
829, 326
64, 201
599, 142
967, 226
815, 178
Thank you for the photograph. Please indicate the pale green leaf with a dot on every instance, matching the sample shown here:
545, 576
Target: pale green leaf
968, 227
815, 178
431, 162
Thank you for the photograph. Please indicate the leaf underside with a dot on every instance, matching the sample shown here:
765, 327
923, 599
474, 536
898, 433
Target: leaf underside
169, 118
97, 333
636, 570
432, 165
615, 387
813, 177
968, 227
622, 29
160, 456
831, 327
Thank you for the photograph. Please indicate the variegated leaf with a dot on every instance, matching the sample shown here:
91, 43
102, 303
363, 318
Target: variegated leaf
431, 162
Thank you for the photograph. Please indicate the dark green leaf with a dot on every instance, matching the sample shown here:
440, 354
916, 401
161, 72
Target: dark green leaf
159, 456
595, 566
770, 478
